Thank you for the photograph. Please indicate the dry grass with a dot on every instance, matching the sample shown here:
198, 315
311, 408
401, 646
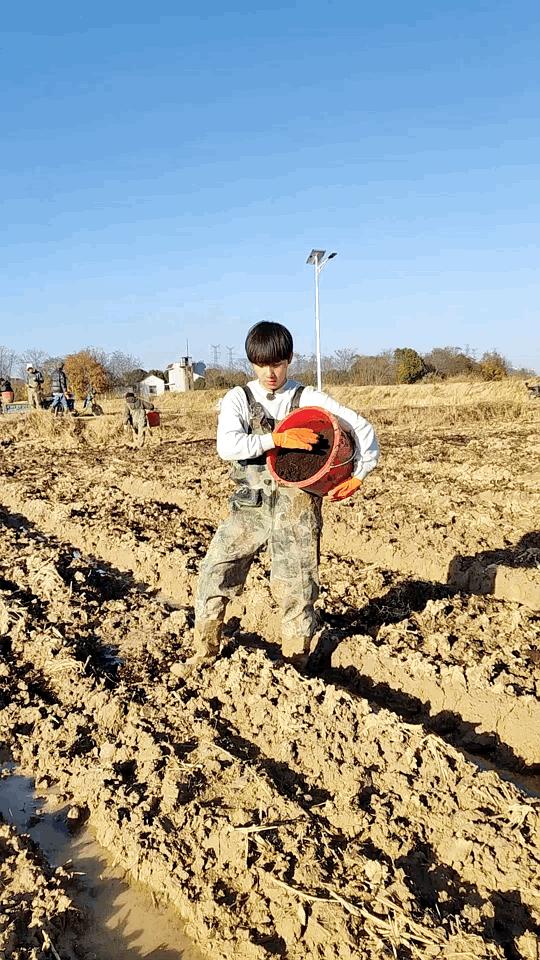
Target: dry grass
434, 404
193, 415
66, 431
434, 394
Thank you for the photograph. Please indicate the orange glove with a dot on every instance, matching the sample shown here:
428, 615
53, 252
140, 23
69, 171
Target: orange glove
345, 489
296, 439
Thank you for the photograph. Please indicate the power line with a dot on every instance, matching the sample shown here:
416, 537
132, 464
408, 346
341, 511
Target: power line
216, 352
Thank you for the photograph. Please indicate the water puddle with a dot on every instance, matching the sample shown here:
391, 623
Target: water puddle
528, 783
125, 923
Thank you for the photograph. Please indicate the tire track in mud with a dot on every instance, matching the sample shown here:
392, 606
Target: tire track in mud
490, 710
236, 844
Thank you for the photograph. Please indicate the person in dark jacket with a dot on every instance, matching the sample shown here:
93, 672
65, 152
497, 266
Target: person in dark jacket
59, 390
135, 417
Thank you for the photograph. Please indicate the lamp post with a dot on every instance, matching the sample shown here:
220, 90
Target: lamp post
319, 260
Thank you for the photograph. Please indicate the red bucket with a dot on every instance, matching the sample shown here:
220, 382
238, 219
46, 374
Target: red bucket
338, 465
7, 396
153, 418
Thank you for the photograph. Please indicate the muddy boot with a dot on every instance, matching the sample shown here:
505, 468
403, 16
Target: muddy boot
206, 644
295, 651
323, 644
207, 640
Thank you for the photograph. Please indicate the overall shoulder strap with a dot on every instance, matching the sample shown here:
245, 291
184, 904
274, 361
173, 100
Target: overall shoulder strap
249, 397
260, 420
295, 402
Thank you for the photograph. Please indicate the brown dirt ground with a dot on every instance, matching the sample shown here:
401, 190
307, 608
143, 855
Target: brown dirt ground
340, 814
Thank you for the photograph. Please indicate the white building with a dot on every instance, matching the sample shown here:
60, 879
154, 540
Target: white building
180, 375
151, 386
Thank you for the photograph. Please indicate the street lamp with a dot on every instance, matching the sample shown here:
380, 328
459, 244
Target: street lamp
319, 260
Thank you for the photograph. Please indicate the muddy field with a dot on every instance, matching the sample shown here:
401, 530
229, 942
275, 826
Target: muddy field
384, 804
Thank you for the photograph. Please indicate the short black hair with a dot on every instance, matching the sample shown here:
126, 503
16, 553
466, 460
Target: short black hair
129, 394
268, 343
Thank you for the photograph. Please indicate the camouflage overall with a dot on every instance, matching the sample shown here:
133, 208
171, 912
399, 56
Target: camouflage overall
135, 417
290, 521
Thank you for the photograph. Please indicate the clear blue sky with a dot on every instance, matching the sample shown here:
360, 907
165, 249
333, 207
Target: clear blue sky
164, 175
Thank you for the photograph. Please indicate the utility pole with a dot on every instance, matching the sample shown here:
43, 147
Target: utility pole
318, 259
216, 349
230, 351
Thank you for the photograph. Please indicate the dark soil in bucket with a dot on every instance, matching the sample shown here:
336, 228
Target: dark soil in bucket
298, 465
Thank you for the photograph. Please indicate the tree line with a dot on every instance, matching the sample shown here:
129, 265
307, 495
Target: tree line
107, 372
402, 365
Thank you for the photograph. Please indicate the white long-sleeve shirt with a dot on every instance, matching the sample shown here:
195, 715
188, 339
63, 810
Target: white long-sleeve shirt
235, 443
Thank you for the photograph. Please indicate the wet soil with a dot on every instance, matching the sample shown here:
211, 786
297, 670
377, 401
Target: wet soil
346, 813
37, 911
298, 465
114, 919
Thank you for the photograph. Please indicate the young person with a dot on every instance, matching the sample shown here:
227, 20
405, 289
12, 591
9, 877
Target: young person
135, 418
286, 518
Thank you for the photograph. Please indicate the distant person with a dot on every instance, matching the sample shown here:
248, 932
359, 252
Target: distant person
286, 518
89, 397
6, 393
135, 417
534, 390
34, 387
90, 401
59, 391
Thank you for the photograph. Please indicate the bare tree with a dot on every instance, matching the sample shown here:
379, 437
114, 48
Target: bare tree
243, 364
98, 354
119, 365
33, 355
371, 371
450, 361
8, 359
344, 358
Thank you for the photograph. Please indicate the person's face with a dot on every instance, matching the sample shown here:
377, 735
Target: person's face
273, 375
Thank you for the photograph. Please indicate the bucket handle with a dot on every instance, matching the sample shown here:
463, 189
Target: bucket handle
343, 463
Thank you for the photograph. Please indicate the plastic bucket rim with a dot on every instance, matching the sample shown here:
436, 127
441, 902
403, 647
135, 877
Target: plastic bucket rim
322, 472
